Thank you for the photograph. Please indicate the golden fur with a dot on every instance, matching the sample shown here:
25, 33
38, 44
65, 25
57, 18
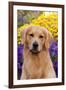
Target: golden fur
37, 65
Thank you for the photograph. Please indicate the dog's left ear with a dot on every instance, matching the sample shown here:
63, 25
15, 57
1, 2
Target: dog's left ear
48, 39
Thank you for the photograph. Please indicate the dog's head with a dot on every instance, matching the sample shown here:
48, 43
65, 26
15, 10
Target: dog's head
36, 38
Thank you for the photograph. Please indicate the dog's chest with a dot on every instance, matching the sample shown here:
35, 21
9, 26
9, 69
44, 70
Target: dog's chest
34, 68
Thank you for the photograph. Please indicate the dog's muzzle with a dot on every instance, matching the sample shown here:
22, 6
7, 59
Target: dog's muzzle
34, 49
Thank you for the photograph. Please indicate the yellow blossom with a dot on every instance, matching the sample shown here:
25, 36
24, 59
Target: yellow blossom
48, 20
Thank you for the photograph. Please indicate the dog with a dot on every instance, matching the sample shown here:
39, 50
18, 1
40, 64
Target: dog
37, 62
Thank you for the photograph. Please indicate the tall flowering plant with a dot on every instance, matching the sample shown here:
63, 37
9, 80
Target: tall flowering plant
54, 55
19, 59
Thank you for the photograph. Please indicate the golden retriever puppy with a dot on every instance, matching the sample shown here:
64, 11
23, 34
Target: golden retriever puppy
37, 62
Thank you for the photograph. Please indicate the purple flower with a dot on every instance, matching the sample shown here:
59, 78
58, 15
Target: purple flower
20, 59
21, 19
54, 55
53, 48
55, 65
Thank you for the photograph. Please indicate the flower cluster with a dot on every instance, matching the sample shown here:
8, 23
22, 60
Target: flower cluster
54, 55
20, 59
48, 20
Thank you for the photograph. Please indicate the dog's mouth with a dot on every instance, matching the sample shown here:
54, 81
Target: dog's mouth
34, 51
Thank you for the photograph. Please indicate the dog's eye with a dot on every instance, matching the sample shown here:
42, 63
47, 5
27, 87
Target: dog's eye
40, 36
31, 35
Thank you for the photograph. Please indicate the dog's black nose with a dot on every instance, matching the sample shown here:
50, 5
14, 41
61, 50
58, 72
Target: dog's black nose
35, 45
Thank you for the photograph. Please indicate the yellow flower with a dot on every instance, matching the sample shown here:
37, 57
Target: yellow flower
48, 20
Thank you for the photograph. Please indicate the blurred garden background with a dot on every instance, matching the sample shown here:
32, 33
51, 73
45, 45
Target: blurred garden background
45, 19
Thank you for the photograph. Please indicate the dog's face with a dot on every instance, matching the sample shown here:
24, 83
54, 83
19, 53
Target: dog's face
36, 38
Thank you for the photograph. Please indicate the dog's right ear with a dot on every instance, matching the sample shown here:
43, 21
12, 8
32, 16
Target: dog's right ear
24, 34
